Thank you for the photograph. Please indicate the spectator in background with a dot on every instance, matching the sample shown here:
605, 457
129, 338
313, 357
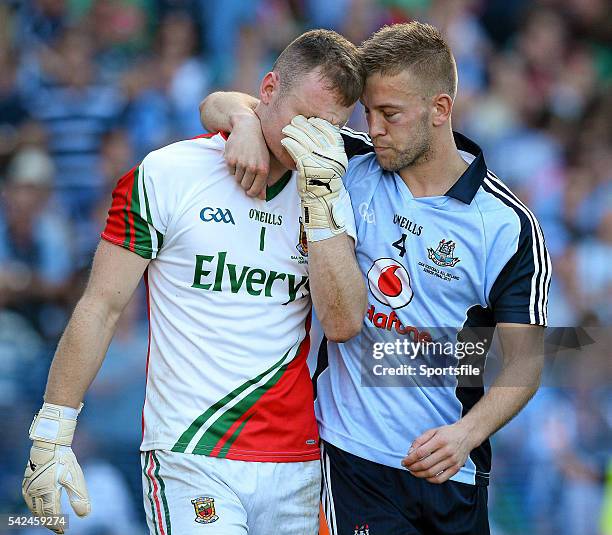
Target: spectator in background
76, 111
166, 88
184, 76
565, 430
119, 30
593, 273
543, 44
506, 116
223, 20
35, 248
116, 158
260, 42
459, 22
582, 462
592, 157
23, 353
12, 106
40, 22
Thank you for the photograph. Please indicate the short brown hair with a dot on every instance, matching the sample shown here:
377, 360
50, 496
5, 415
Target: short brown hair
412, 46
337, 58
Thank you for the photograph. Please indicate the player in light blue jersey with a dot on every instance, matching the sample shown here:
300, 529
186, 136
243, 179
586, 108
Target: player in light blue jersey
444, 246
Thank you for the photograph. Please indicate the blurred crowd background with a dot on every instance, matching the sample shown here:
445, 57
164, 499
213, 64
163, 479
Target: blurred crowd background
88, 87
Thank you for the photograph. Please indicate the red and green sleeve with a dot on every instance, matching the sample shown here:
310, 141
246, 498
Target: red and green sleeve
129, 223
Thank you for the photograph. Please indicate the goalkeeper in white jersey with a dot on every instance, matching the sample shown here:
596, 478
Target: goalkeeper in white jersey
230, 442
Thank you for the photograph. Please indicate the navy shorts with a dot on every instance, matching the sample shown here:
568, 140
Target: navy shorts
361, 497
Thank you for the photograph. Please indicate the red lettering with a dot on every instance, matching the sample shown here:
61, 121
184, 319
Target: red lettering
377, 320
382, 321
410, 330
392, 319
401, 329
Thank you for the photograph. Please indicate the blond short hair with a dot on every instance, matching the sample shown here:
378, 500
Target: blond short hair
414, 46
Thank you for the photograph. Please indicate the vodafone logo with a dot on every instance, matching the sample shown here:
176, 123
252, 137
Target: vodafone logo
389, 283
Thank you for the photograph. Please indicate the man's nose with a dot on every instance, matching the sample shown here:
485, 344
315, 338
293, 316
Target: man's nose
376, 127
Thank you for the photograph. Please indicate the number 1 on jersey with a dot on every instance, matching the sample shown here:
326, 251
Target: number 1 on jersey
262, 238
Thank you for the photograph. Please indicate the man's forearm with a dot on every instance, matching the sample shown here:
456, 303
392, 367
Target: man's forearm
439, 453
496, 408
219, 111
514, 387
337, 287
80, 353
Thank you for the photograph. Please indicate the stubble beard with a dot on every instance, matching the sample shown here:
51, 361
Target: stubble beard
416, 151
405, 158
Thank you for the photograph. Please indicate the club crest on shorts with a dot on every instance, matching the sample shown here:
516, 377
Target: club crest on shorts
443, 255
362, 530
302, 245
205, 510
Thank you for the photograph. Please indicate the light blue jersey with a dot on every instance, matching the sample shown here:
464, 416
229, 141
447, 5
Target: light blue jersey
473, 257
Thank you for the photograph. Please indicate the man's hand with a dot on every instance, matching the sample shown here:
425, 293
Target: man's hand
247, 155
246, 151
318, 151
439, 453
52, 465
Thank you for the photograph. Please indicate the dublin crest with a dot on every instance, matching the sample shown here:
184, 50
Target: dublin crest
443, 255
204, 510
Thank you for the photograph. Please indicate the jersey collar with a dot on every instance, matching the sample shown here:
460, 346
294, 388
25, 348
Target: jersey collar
273, 190
465, 188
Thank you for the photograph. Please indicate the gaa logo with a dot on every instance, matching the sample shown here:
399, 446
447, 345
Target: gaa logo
389, 283
218, 215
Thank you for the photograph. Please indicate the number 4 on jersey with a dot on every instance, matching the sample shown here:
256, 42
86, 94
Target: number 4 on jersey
400, 245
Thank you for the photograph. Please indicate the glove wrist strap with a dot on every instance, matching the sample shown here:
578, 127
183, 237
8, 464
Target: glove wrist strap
320, 234
324, 219
322, 224
54, 424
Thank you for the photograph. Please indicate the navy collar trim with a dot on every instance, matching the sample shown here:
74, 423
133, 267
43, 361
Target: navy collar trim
467, 185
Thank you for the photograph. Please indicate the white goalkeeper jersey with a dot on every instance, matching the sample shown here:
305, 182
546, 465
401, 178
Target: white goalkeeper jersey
229, 306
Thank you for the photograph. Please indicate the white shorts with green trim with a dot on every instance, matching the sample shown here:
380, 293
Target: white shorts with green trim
188, 494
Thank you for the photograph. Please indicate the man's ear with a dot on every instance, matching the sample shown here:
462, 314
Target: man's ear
442, 108
270, 86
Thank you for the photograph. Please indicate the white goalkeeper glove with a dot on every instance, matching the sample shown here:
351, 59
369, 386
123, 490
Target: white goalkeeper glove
52, 465
318, 151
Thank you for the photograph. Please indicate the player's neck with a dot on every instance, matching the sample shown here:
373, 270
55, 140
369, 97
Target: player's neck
277, 171
436, 171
